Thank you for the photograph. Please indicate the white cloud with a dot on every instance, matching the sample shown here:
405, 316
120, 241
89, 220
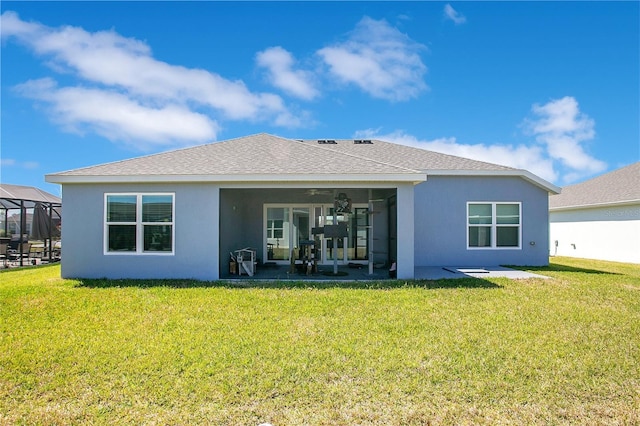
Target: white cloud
151, 89
531, 158
379, 59
455, 16
120, 118
31, 165
563, 129
279, 65
10, 162
556, 155
106, 57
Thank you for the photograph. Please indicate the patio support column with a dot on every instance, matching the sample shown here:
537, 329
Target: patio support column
215, 258
50, 211
405, 232
23, 227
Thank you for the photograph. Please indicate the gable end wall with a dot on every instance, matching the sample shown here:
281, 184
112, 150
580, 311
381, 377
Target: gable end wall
441, 221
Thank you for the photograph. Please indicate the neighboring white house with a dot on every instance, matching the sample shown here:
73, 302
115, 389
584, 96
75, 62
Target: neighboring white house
598, 218
179, 214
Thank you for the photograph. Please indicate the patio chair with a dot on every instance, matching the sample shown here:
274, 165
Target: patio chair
15, 255
4, 253
37, 252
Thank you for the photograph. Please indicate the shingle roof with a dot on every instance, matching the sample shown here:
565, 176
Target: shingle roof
267, 157
251, 155
406, 156
619, 186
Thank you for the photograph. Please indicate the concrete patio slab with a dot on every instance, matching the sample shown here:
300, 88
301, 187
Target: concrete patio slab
453, 272
281, 273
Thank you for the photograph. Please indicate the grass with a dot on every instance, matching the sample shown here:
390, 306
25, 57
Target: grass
559, 351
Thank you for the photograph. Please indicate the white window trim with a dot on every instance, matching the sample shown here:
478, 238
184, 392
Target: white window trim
494, 225
139, 226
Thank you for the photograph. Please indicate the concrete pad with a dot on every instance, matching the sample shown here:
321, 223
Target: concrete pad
453, 272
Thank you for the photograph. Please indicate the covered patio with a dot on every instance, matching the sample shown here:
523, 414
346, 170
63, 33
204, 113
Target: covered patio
288, 228
30, 225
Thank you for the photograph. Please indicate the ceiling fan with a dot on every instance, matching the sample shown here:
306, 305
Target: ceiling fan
312, 192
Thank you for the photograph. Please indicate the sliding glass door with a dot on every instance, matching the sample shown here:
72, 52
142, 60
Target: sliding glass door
277, 228
300, 225
353, 247
287, 225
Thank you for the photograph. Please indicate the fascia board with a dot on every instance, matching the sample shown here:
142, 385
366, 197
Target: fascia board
310, 185
595, 205
524, 174
384, 177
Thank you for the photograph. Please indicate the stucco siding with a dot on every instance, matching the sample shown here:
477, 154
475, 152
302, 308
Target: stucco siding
441, 221
196, 234
605, 233
210, 222
406, 237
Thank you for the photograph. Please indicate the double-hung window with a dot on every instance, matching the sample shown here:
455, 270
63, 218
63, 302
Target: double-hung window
139, 223
494, 225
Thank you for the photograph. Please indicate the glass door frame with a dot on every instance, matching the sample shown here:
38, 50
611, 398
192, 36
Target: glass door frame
288, 230
314, 221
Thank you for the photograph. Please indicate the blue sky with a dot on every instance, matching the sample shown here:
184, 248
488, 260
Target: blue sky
551, 87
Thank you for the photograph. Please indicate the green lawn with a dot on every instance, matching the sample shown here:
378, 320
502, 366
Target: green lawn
558, 351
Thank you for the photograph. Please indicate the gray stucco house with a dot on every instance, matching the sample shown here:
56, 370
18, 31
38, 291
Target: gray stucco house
179, 214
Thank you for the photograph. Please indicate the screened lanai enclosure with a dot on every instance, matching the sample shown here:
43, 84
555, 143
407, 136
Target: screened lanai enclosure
30, 221
326, 226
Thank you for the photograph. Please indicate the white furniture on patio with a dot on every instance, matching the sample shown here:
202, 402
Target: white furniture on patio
246, 259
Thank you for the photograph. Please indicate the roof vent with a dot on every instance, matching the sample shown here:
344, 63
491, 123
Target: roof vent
362, 142
327, 142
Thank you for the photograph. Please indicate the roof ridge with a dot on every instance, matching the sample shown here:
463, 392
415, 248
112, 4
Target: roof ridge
449, 155
411, 147
326, 148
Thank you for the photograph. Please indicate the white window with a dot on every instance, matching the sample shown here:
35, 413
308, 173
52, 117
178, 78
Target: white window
493, 225
139, 223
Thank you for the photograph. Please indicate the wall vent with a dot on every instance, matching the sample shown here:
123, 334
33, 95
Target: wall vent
327, 142
362, 142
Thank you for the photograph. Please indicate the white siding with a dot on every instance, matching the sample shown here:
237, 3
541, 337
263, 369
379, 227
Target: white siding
604, 233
